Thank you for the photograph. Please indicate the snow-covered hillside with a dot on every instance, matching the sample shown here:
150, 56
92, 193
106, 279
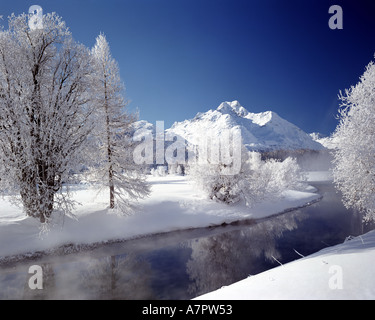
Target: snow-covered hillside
327, 142
260, 131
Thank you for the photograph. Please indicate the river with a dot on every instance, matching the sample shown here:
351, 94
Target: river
185, 264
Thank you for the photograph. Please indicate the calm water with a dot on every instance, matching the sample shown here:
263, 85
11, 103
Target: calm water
183, 265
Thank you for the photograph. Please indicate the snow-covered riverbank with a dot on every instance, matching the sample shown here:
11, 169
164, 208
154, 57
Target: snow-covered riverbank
174, 204
344, 271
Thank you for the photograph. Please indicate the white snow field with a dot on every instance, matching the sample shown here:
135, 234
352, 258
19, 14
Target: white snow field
174, 204
342, 272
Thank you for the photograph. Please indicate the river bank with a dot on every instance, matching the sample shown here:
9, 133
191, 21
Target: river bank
342, 272
173, 205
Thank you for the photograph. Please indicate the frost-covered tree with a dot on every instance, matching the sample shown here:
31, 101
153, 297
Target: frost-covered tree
115, 167
45, 112
354, 155
256, 180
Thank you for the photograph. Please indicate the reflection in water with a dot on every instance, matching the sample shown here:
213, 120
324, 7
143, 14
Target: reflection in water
229, 257
117, 277
48, 292
185, 264
182, 271
15, 284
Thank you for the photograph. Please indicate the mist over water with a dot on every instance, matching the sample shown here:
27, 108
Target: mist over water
316, 161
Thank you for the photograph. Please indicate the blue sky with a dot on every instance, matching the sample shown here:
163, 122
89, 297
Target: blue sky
180, 57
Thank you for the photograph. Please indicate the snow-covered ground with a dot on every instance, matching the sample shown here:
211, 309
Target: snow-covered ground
344, 271
174, 204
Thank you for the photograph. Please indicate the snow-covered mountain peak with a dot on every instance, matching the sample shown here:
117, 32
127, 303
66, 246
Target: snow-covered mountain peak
260, 131
232, 107
263, 118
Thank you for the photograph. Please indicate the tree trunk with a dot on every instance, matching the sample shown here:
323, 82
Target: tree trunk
109, 152
111, 188
46, 213
113, 277
110, 168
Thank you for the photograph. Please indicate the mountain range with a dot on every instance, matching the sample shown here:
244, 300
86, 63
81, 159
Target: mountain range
265, 131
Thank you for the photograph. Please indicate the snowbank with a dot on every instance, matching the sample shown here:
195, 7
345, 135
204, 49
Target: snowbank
344, 271
174, 204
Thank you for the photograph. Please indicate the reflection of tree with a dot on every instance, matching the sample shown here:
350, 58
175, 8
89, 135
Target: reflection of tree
12, 285
118, 278
229, 257
49, 285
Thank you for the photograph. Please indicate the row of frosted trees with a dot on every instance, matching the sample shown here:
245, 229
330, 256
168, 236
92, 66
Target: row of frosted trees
61, 108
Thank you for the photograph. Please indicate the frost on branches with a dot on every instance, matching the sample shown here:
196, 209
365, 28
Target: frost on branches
58, 99
45, 96
112, 135
257, 180
354, 157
